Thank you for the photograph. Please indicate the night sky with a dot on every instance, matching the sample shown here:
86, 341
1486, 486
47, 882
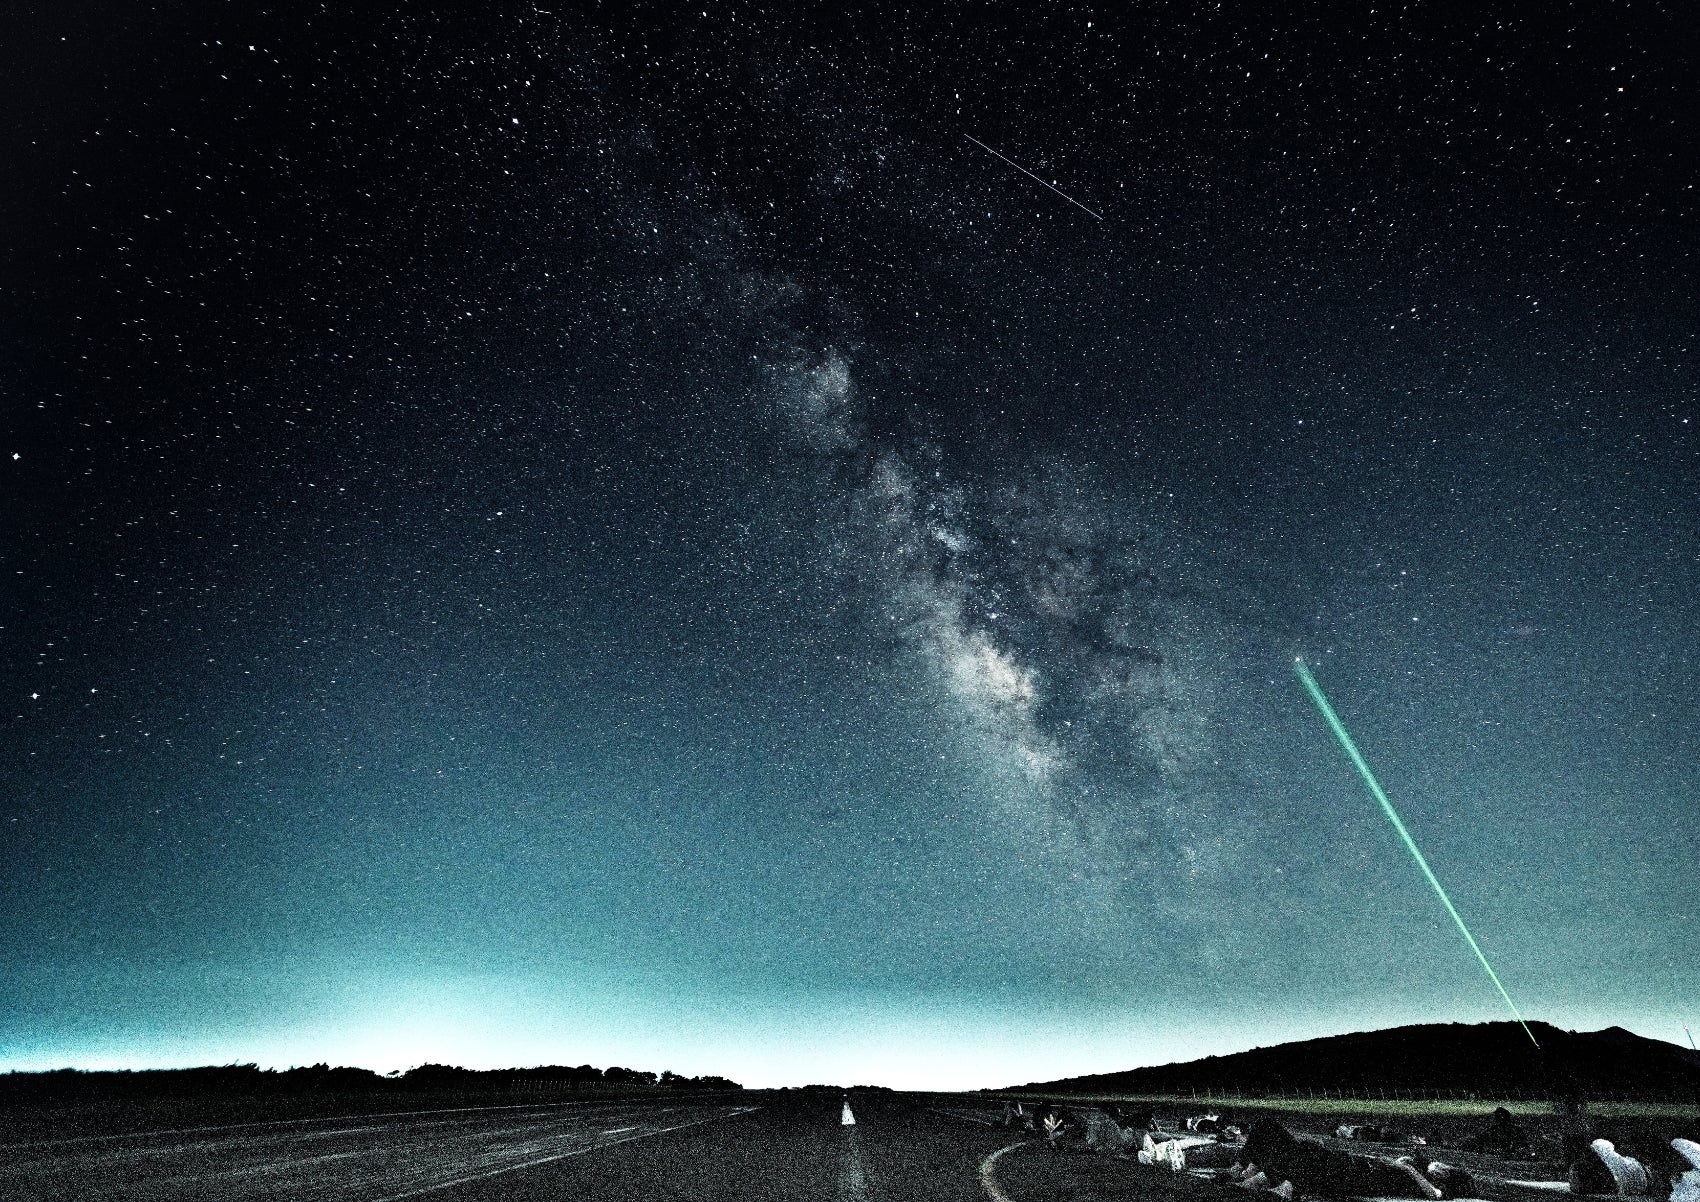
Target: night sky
618, 534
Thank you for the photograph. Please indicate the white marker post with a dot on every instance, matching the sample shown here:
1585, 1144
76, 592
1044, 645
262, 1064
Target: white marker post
852, 1181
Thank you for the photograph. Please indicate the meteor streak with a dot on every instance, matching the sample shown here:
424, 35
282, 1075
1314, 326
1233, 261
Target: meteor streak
1375, 789
1030, 175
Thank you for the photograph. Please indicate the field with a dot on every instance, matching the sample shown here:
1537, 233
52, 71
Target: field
1344, 1109
1643, 1128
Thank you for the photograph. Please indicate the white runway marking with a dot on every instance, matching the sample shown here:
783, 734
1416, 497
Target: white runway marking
331, 1158
332, 1118
529, 1164
989, 1180
852, 1181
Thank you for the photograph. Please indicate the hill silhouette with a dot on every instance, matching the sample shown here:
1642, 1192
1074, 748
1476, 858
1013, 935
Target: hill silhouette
1488, 1058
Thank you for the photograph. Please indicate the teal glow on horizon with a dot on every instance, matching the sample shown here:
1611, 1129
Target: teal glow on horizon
1380, 795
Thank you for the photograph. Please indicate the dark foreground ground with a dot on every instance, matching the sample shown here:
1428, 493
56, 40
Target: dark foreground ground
726, 1146
750, 1146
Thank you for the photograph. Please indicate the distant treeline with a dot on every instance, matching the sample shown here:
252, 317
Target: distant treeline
249, 1079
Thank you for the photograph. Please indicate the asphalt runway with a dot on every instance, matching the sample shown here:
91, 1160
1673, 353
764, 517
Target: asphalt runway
755, 1148
370, 1158
760, 1147
793, 1148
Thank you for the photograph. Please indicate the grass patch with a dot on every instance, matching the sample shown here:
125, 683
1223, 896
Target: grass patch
1406, 1108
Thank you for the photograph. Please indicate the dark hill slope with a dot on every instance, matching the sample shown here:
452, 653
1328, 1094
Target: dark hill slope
1438, 1056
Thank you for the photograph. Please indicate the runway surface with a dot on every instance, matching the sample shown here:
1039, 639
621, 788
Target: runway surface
373, 1158
764, 1146
760, 1147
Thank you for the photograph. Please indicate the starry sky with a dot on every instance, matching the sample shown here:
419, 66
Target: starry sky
622, 533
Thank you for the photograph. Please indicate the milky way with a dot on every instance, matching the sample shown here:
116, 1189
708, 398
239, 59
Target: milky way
625, 537
1031, 601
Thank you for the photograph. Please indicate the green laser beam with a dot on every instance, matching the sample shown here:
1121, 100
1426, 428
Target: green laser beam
1375, 789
